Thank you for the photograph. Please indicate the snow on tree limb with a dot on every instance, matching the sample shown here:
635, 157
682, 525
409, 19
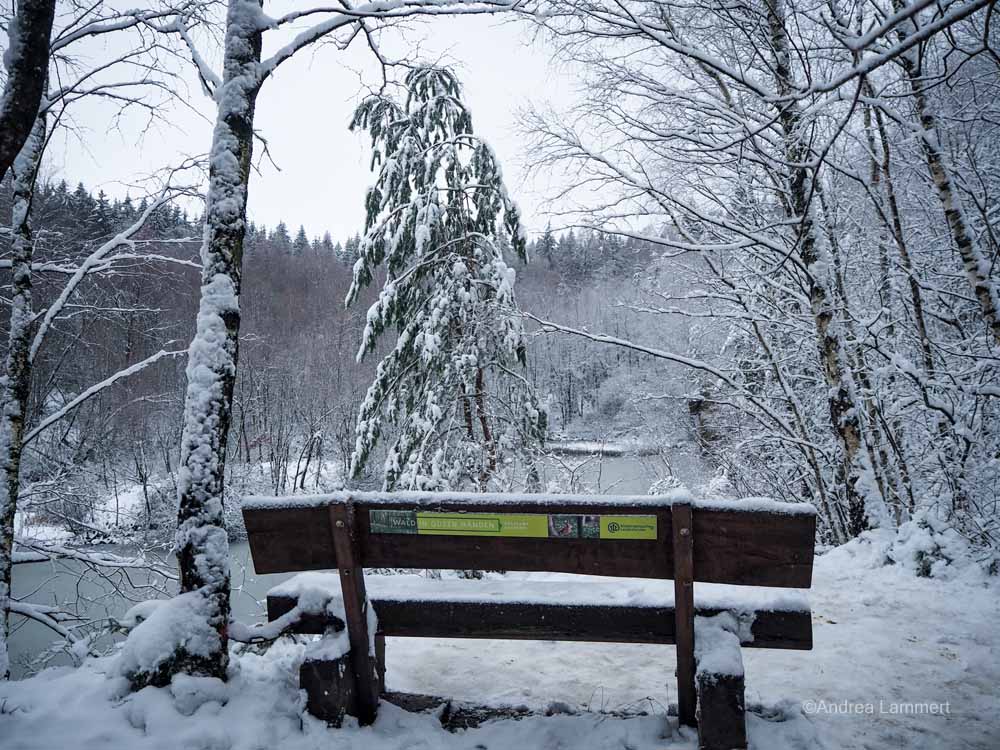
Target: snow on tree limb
93, 390
98, 257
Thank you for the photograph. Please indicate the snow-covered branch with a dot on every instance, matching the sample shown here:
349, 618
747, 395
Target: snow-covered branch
50, 617
97, 388
97, 259
380, 10
550, 327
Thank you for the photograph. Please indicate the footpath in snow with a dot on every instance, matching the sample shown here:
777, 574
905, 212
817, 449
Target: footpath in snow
899, 662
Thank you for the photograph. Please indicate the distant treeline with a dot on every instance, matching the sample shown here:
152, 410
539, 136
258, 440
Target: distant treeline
299, 385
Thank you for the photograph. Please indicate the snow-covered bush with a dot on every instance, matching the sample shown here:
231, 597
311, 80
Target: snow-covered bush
930, 548
665, 485
719, 487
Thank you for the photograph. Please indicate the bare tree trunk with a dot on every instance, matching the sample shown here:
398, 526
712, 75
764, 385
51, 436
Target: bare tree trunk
27, 62
202, 544
916, 299
844, 411
976, 264
467, 414
832, 513
887, 290
16, 380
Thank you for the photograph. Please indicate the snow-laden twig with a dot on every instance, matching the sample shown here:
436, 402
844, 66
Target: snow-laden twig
380, 10
97, 388
46, 551
107, 264
50, 617
95, 259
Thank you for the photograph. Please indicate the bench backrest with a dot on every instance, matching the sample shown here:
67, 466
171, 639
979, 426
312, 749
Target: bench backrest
747, 542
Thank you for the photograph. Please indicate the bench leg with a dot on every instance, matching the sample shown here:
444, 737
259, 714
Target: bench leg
683, 547
330, 683
721, 713
330, 688
719, 683
356, 604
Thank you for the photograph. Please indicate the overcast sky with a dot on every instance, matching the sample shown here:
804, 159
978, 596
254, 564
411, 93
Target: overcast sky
322, 168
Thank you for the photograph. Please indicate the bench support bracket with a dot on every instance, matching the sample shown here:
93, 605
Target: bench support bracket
683, 533
352, 582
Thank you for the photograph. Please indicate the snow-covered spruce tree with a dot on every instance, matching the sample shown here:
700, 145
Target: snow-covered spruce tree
451, 392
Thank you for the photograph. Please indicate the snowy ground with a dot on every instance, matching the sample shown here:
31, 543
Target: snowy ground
884, 638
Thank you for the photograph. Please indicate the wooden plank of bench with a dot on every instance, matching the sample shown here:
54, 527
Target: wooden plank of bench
746, 547
435, 618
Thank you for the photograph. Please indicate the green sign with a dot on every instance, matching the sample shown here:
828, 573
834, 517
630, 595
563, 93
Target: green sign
524, 525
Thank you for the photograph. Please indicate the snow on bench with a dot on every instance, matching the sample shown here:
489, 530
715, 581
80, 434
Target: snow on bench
577, 591
571, 608
492, 499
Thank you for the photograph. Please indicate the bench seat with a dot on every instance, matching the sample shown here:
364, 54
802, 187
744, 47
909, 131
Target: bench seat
602, 609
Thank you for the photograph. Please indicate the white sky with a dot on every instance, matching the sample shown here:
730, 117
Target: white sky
304, 111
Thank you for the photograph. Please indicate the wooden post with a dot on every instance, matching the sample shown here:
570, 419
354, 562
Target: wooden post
352, 582
722, 723
683, 528
330, 688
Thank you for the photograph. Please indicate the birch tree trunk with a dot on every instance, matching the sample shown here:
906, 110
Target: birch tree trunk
974, 260
16, 379
895, 217
841, 398
202, 545
832, 513
27, 63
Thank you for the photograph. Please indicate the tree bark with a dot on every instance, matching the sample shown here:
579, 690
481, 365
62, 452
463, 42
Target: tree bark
16, 380
27, 62
484, 425
202, 544
832, 513
916, 299
842, 401
883, 469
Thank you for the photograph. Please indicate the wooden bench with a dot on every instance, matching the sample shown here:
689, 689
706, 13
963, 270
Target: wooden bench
754, 543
